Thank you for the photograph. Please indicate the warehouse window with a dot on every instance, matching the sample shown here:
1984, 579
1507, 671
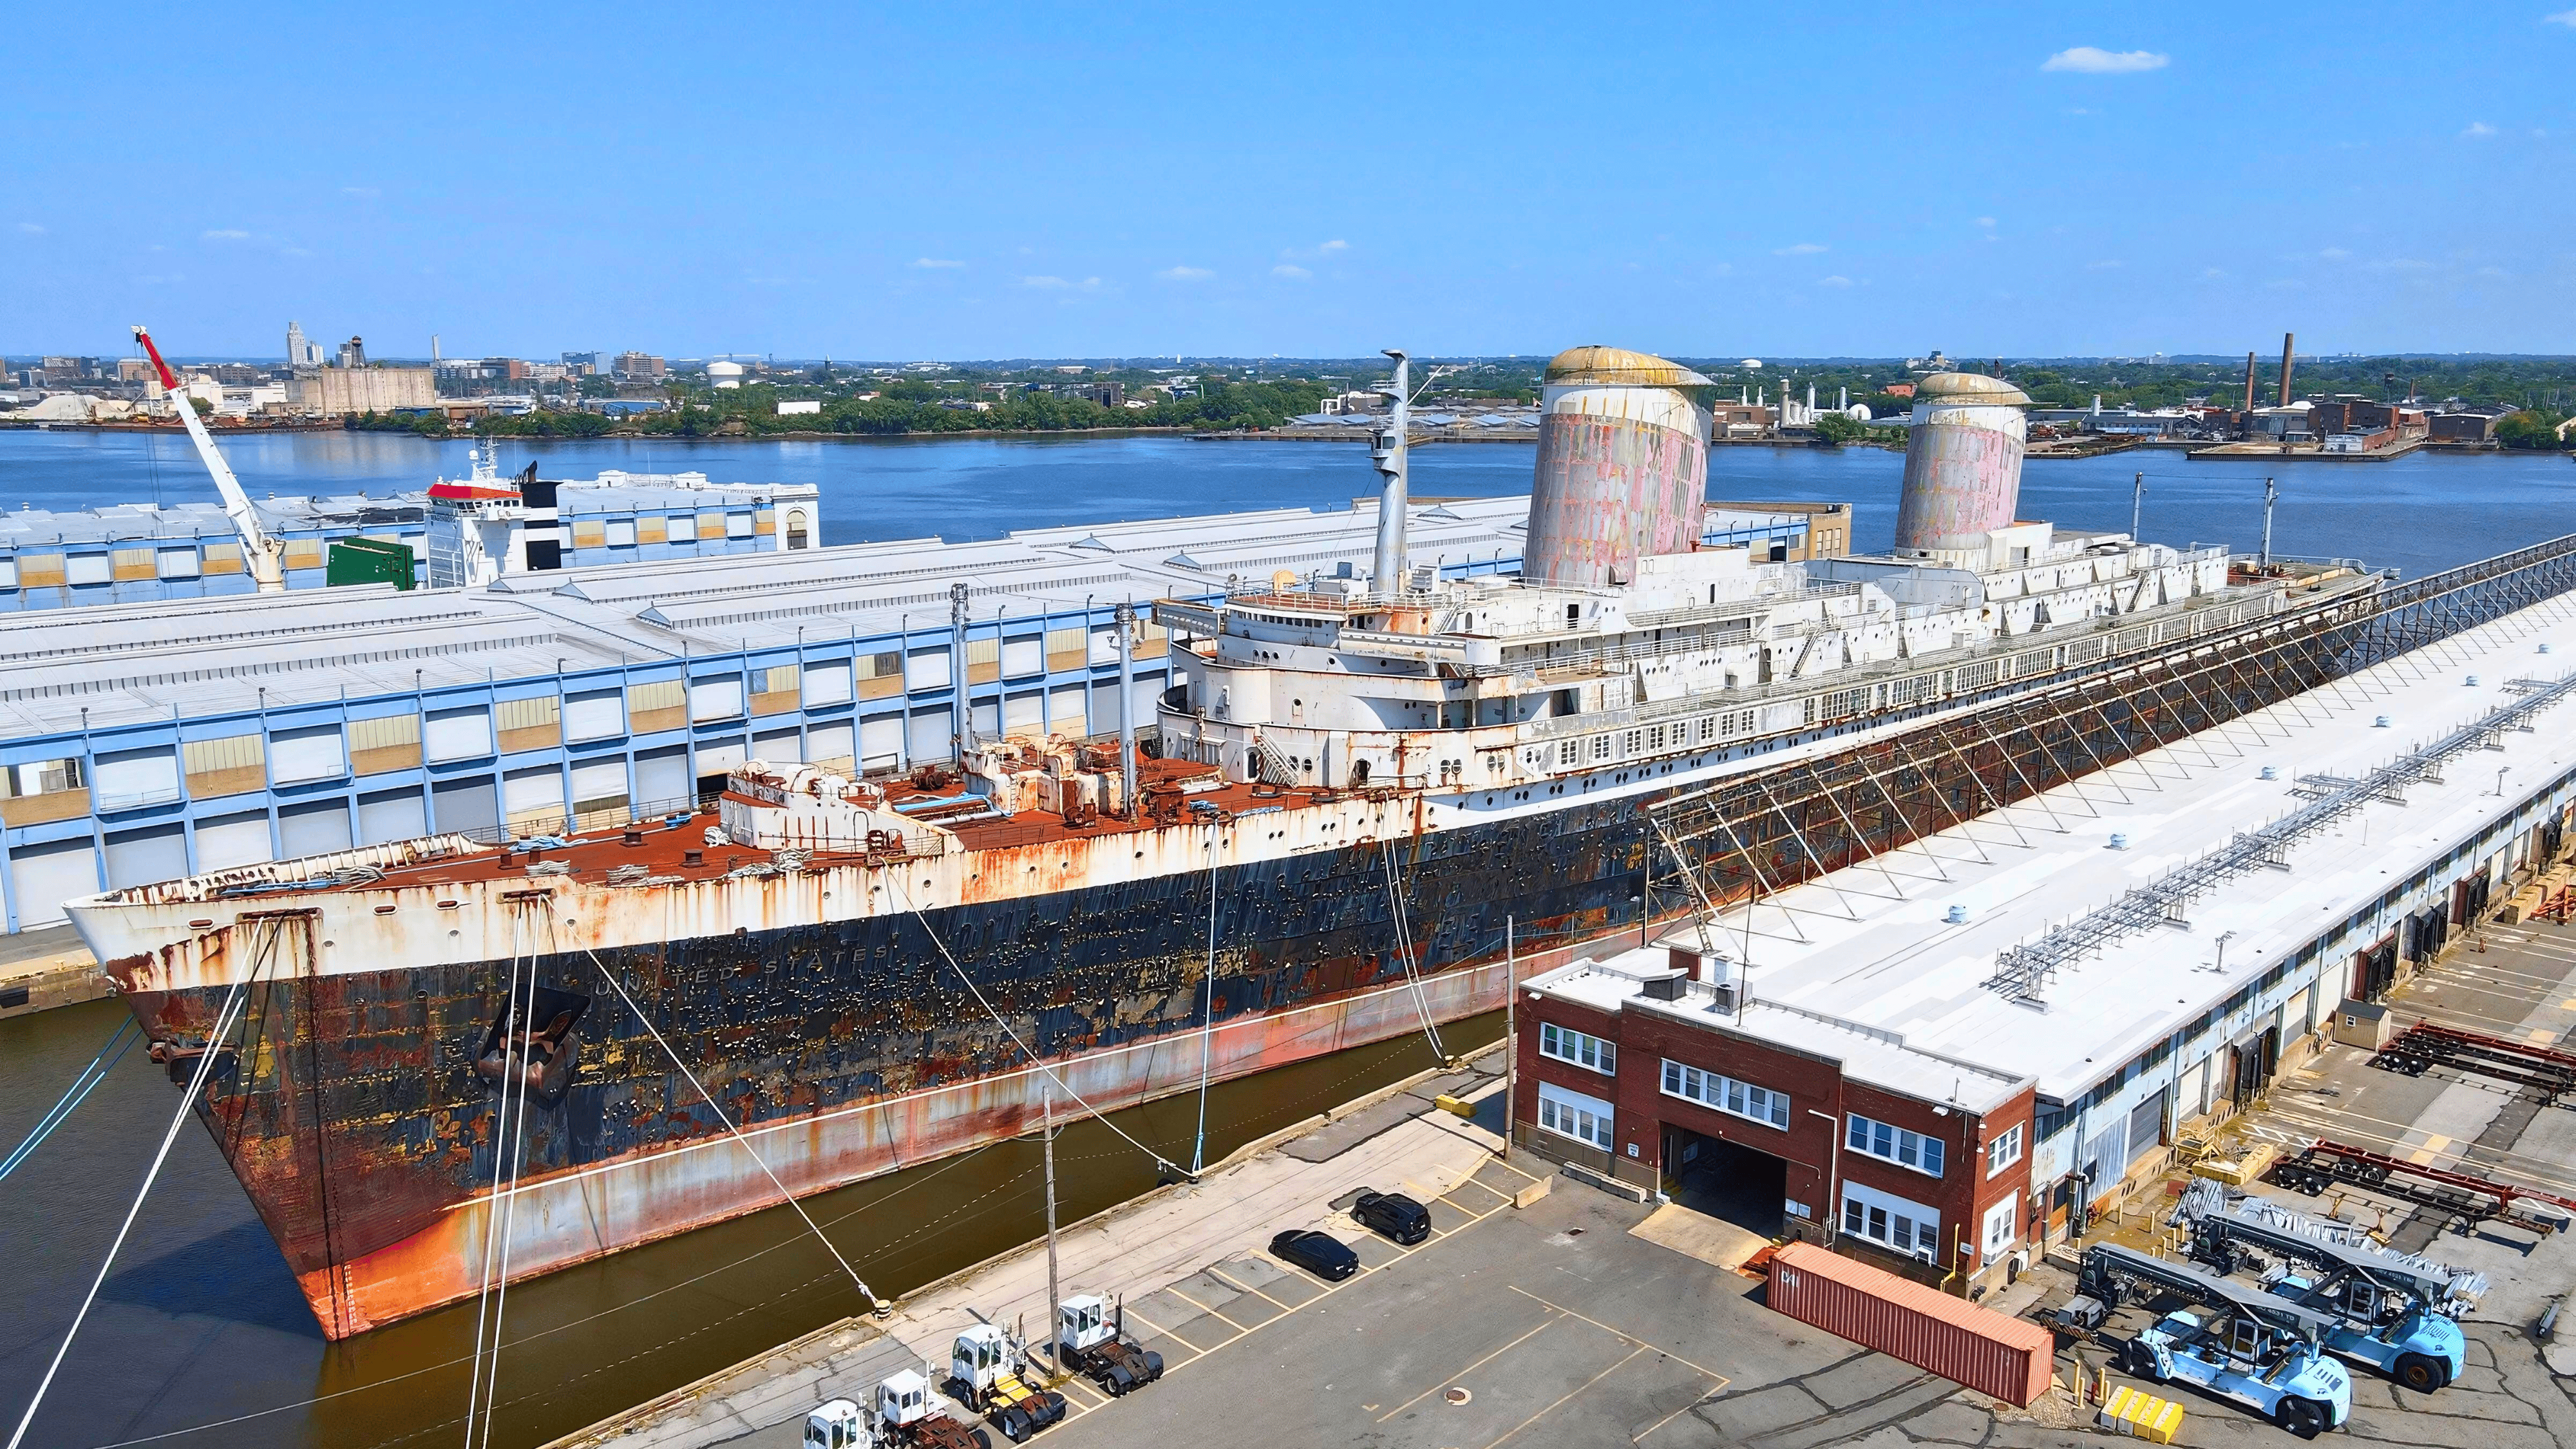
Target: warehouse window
1891, 1221
1894, 1144
1579, 1048
2004, 1151
1999, 1229
1572, 1114
1741, 1099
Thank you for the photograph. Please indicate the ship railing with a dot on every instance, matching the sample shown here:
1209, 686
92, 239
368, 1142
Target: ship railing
1905, 684
567, 824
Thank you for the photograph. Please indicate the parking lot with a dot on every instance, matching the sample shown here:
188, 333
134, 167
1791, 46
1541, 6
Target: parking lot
1575, 1320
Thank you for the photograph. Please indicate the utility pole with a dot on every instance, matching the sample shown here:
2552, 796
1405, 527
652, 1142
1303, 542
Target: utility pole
2271, 495
2137, 505
1055, 1311
1511, 1032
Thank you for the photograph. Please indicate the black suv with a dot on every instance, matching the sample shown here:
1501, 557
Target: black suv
1394, 1214
1321, 1254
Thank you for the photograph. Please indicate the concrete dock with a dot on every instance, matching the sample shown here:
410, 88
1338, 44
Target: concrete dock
1155, 1251
43, 969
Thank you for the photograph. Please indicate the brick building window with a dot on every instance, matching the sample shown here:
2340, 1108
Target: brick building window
1741, 1099
2004, 1151
1582, 1050
1893, 1144
1999, 1229
1572, 1114
1891, 1221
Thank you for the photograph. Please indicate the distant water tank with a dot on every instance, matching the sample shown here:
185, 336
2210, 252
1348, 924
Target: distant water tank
1622, 466
1962, 462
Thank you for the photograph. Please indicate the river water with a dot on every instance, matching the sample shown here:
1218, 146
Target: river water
200, 1324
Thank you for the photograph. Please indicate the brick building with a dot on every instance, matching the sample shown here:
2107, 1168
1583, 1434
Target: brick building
1782, 1119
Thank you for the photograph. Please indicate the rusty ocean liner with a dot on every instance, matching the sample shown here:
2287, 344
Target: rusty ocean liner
1317, 842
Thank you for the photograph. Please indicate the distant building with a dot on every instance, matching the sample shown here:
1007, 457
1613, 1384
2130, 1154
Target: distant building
133, 369
333, 391
353, 353
588, 364
300, 352
1739, 420
2471, 425
799, 408
721, 373
1106, 394
641, 367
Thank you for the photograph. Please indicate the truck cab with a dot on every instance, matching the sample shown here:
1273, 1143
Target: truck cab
2239, 1357
838, 1424
2391, 1332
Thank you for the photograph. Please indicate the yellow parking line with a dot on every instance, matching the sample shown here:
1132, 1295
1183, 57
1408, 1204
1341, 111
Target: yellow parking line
1203, 1308
1722, 1380
1570, 1393
1247, 1288
1462, 1373
1195, 1350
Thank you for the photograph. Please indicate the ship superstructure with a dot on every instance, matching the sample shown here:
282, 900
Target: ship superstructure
1317, 841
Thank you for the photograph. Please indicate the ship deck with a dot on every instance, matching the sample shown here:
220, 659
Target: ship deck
676, 849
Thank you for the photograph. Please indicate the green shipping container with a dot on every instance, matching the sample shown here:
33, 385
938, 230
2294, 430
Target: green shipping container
366, 561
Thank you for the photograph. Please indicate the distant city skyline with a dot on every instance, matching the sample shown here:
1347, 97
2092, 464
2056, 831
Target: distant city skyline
1999, 181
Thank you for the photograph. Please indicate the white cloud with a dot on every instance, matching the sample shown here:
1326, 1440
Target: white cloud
2493, 272
935, 263
1185, 274
1833, 281
1801, 249
297, 252
2478, 131
2212, 274
1292, 273
1335, 245
1986, 221
363, 193
2103, 266
2335, 254
2093, 60
2079, 110
224, 234
30, 228
2563, 17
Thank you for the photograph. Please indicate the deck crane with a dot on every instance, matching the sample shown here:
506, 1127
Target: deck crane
2231, 1341
261, 554
2395, 1312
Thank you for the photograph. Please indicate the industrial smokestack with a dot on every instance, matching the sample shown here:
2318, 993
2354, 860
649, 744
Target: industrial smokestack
2287, 339
1622, 466
1387, 454
545, 521
2249, 382
1962, 463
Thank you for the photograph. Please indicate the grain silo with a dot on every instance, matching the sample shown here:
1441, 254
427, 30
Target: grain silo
1962, 463
1622, 466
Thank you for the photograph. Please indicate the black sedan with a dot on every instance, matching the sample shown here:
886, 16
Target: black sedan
1392, 1213
1321, 1254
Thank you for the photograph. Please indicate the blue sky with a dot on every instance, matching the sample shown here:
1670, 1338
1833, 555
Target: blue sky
1090, 181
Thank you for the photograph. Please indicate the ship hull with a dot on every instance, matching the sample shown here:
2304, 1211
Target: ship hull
354, 1116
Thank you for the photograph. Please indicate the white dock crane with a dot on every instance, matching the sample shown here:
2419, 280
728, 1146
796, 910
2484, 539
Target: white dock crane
260, 553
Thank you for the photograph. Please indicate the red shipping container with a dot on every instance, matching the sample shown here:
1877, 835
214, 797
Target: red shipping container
1925, 1327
